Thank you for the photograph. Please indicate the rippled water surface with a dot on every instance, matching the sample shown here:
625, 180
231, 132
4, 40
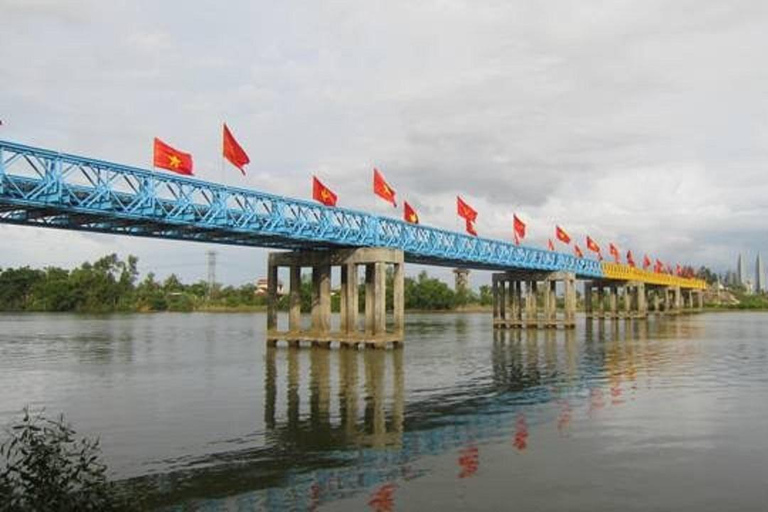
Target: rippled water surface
195, 413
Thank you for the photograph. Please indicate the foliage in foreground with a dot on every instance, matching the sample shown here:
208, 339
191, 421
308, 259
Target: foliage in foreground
45, 467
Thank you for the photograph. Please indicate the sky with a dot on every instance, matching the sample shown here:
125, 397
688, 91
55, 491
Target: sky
638, 123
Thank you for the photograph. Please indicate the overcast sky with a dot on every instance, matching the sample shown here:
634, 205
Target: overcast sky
643, 123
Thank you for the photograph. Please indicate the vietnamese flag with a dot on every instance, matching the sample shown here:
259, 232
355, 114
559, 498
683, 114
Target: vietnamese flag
471, 228
630, 259
322, 193
562, 235
172, 159
659, 267
232, 151
410, 214
592, 245
646, 262
614, 252
550, 245
519, 227
464, 210
577, 251
382, 189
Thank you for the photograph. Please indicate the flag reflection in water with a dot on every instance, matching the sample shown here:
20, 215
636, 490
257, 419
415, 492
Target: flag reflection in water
469, 461
383, 498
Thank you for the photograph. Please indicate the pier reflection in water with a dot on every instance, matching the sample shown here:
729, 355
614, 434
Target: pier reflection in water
340, 423
369, 403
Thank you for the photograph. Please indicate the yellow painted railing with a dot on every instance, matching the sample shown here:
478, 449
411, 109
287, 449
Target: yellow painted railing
627, 273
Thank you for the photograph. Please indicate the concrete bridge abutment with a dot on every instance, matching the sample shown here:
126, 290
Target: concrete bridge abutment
530, 300
374, 331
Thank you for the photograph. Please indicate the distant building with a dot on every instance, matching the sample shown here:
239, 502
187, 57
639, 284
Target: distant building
759, 275
462, 279
261, 287
741, 274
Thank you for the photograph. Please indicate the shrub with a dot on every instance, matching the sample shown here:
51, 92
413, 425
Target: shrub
44, 467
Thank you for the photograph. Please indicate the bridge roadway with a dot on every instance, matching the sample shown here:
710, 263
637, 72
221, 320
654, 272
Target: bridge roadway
45, 188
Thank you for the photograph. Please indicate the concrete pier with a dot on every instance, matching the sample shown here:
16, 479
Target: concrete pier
375, 331
530, 300
625, 299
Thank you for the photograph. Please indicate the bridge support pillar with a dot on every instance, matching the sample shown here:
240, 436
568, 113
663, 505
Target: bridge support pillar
529, 299
375, 261
633, 294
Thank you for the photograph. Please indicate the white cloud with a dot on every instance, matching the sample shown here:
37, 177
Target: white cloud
642, 123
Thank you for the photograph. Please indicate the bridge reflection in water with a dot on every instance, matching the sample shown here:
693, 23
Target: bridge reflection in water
343, 422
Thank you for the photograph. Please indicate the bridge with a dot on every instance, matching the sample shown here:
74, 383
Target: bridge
44, 188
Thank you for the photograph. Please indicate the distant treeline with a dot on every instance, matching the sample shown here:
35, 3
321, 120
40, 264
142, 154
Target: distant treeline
112, 285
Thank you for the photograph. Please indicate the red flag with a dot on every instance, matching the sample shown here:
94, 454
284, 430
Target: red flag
172, 159
592, 245
233, 151
519, 227
614, 251
464, 210
322, 193
550, 245
471, 228
646, 262
577, 251
409, 213
678, 270
630, 259
659, 267
382, 189
562, 235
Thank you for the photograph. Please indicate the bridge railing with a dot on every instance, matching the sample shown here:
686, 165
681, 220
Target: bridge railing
627, 273
43, 187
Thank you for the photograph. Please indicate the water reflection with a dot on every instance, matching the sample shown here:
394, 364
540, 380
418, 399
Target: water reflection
378, 423
338, 423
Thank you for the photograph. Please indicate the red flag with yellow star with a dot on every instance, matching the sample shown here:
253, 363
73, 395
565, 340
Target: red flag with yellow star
471, 228
561, 235
172, 159
519, 227
577, 251
322, 193
464, 210
592, 245
233, 151
382, 189
409, 214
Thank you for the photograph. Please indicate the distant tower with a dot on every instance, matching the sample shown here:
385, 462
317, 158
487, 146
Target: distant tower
741, 275
759, 275
211, 272
462, 279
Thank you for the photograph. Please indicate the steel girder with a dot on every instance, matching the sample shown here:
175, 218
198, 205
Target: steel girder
46, 188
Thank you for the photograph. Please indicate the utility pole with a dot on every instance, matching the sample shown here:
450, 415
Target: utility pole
211, 272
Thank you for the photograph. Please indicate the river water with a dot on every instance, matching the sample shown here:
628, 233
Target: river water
195, 413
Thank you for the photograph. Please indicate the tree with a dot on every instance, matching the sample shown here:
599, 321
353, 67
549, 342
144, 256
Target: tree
46, 468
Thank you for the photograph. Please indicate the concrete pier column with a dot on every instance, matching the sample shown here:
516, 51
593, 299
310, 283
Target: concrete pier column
502, 286
588, 298
700, 299
272, 269
294, 314
613, 301
600, 301
657, 300
628, 292
570, 301
380, 298
551, 292
321, 299
348, 260
398, 288
370, 301
495, 298
514, 292
642, 304
531, 313
348, 304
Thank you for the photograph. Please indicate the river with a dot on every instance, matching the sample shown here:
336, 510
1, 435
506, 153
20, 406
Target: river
195, 413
